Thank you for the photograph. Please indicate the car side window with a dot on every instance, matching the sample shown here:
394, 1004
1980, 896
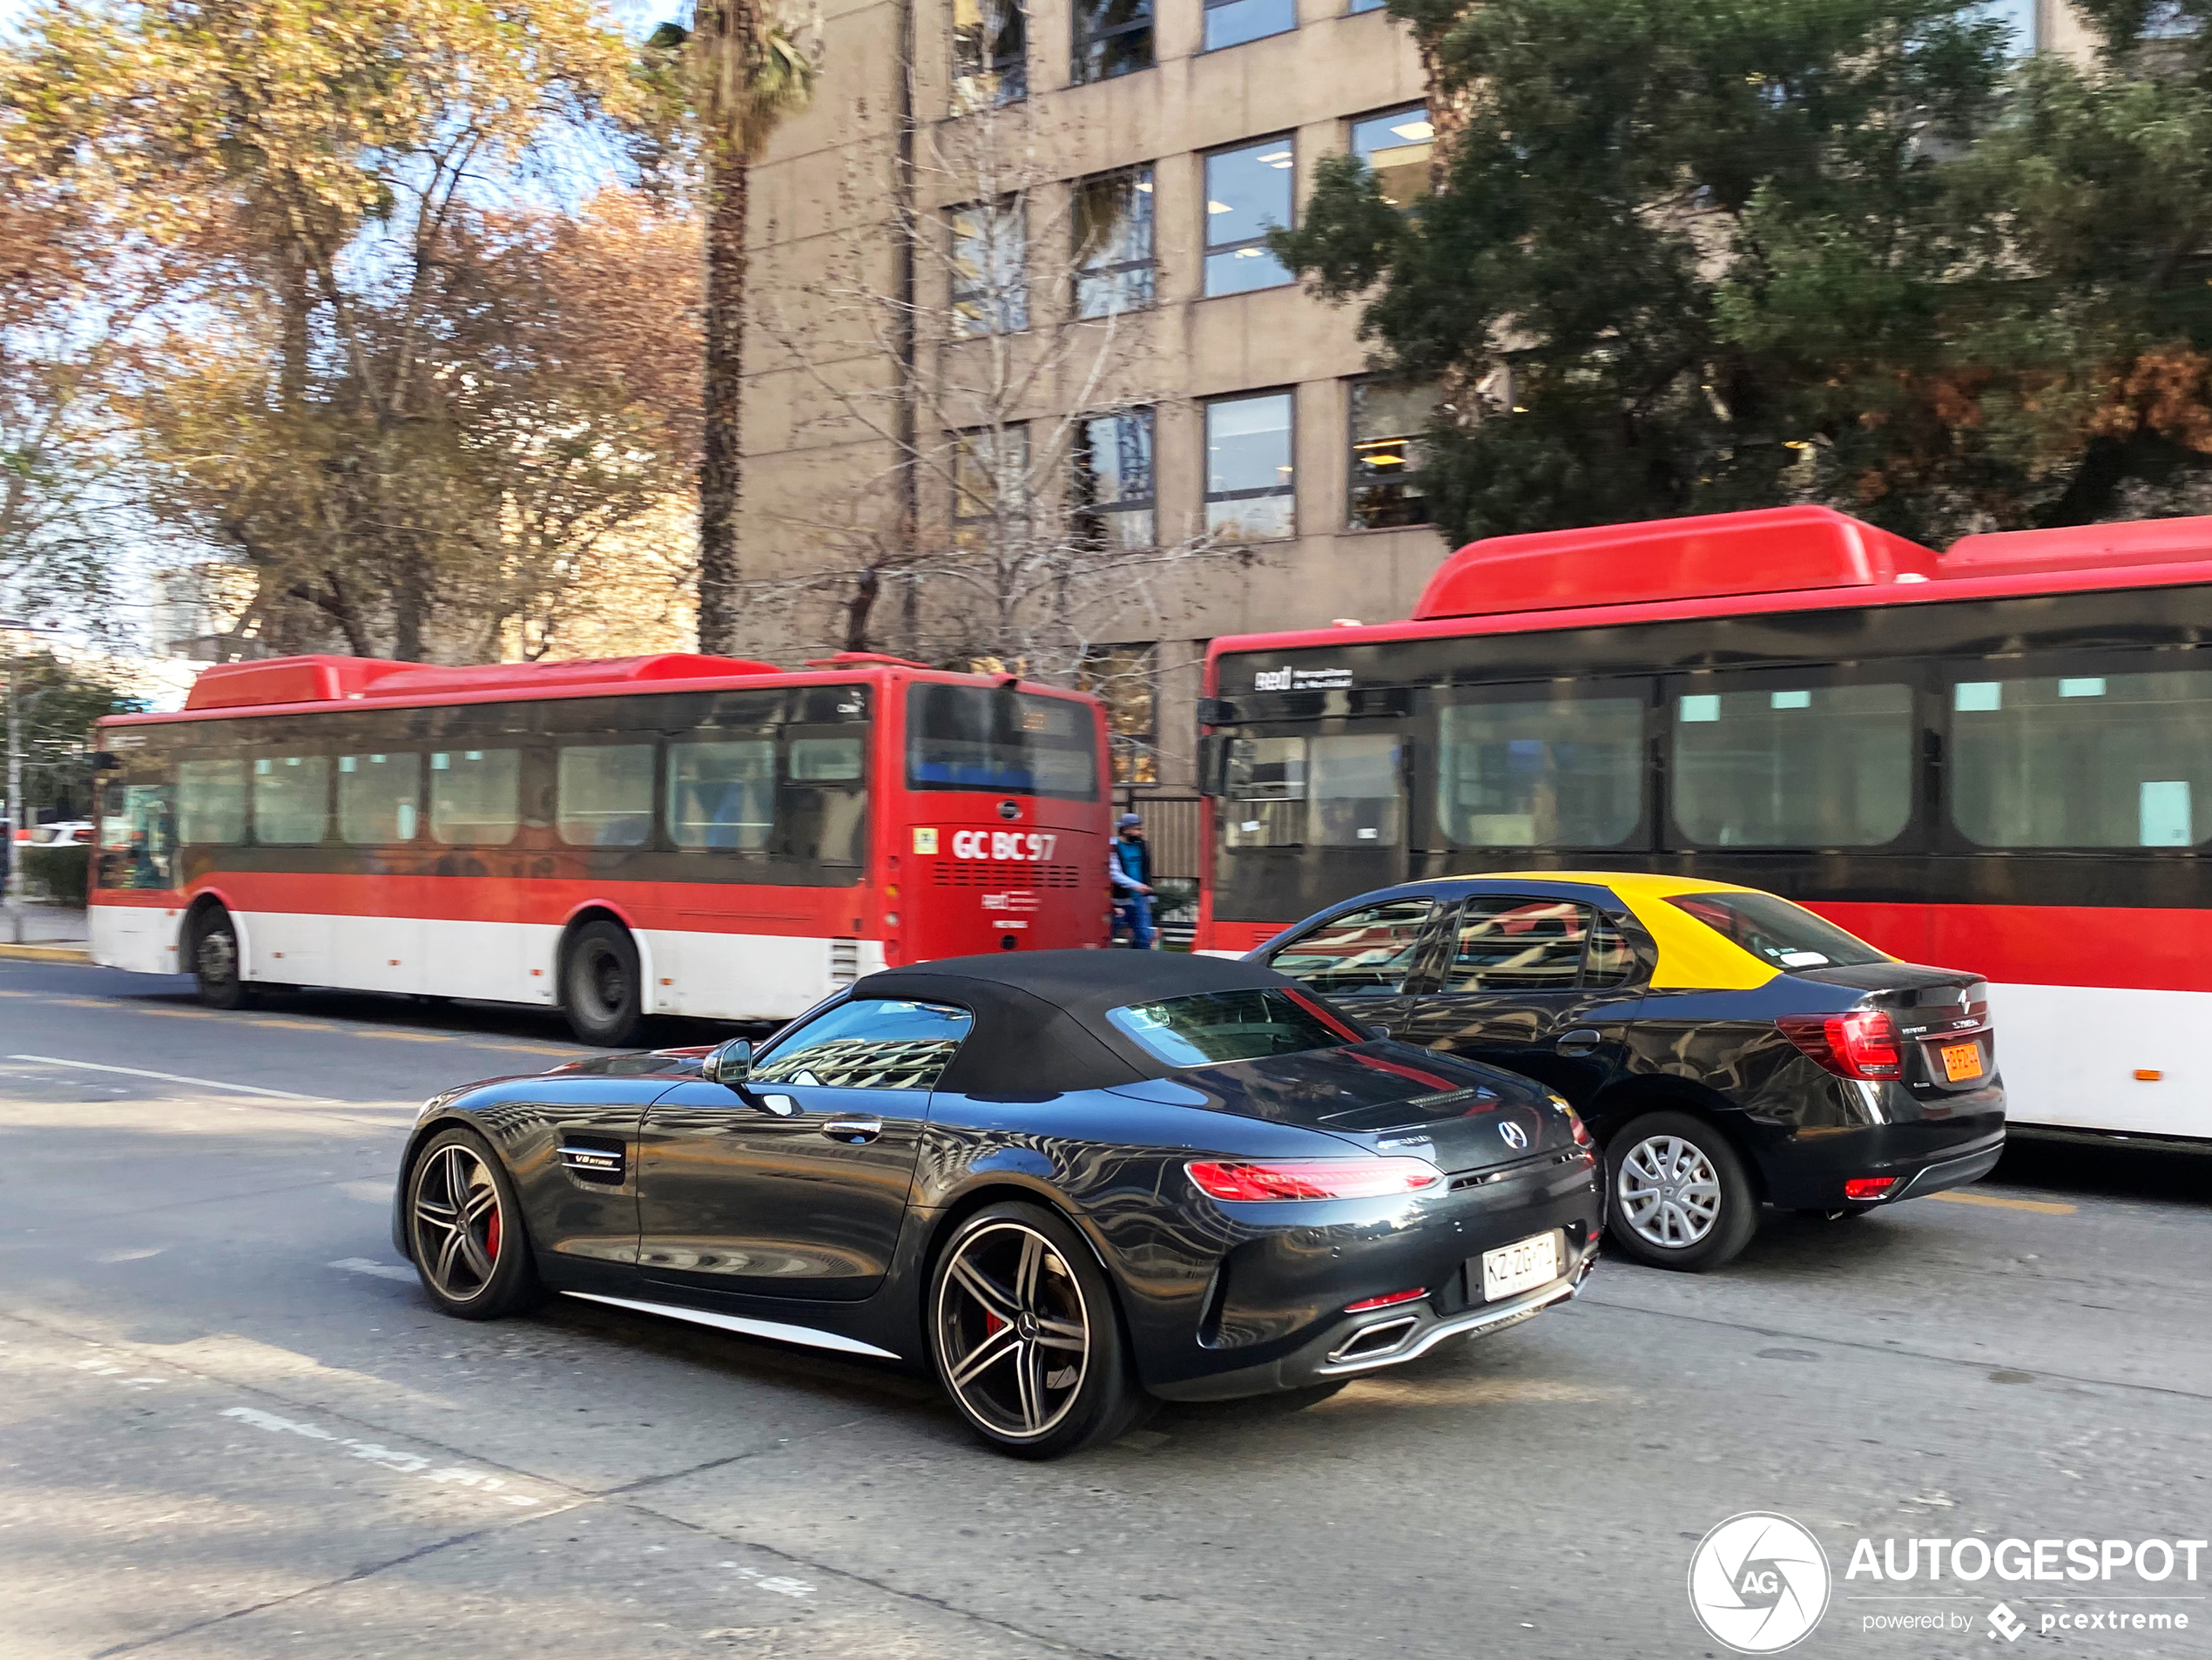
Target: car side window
1610, 960
869, 1043
1370, 950
1508, 944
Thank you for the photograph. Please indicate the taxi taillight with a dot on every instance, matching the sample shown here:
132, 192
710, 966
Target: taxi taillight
1862, 1044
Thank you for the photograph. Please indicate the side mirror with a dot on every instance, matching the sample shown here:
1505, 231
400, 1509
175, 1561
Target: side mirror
1378, 1030
728, 1063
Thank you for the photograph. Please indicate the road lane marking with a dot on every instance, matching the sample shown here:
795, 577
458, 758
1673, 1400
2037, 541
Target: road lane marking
169, 1077
381, 1269
390, 1457
404, 1037
2041, 1207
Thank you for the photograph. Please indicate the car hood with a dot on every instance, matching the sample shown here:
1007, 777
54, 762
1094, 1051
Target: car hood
1388, 1097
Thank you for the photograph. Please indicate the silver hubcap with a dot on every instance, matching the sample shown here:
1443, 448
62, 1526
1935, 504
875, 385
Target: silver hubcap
457, 1222
1669, 1192
1012, 1330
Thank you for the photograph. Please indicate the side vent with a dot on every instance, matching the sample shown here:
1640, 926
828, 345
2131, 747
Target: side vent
597, 1159
844, 961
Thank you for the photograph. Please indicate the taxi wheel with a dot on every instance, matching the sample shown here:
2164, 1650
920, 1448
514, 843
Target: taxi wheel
465, 1230
1678, 1196
1025, 1335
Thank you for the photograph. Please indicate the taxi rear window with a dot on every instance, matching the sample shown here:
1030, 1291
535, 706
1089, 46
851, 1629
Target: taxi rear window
1211, 1026
1775, 931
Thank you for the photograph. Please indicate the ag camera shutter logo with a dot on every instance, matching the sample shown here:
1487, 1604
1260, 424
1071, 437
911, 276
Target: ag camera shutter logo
1758, 1582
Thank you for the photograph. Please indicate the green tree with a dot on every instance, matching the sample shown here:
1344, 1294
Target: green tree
1688, 257
740, 72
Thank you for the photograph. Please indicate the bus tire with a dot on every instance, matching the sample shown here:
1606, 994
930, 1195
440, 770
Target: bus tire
603, 991
216, 962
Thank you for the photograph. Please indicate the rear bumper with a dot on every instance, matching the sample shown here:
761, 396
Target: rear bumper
1815, 1180
1402, 1333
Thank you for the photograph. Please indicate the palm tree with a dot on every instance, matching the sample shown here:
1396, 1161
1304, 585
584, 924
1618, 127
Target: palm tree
748, 72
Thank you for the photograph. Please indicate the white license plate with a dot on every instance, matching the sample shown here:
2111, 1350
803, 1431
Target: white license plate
1532, 1261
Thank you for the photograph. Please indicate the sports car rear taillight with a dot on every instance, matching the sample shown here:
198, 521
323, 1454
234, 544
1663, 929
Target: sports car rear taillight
1862, 1044
1313, 1178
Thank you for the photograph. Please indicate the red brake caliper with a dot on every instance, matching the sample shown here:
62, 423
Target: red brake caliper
992, 1324
491, 1235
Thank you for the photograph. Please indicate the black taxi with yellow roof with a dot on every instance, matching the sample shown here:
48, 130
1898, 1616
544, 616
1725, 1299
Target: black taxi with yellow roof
1729, 1048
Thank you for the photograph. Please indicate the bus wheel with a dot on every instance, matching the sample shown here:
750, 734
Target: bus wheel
600, 987
215, 961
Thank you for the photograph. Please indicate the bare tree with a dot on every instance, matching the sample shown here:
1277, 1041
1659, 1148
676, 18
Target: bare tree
1008, 505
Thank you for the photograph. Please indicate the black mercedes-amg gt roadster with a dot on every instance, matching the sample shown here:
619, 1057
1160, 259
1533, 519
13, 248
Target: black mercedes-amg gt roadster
1067, 1181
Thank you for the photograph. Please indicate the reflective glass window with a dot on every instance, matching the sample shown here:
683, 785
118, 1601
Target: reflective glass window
290, 800
475, 796
1396, 148
722, 793
1371, 950
1231, 23
990, 274
1564, 772
1114, 268
1247, 194
378, 799
1821, 766
869, 1043
1387, 422
1508, 944
605, 795
138, 836
2109, 761
1111, 37
1112, 504
990, 54
211, 802
1250, 478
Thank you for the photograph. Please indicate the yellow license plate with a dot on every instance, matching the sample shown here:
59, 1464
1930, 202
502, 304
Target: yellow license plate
1961, 1061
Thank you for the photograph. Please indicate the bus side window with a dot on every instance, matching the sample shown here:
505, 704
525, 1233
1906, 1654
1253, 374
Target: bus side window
290, 800
138, 836
825, 800
379, 799
722, 793
211, 802
475, 797
604, 793
1355, 792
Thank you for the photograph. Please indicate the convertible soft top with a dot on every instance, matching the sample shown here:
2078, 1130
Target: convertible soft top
1040, 1025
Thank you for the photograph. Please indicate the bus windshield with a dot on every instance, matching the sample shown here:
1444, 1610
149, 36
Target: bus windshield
1013, 743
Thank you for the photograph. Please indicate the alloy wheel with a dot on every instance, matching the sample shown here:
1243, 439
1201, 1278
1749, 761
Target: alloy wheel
1669, 1192
216, 960
1012, 1329
457, 1222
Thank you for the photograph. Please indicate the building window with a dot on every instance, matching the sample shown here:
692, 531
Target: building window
990, 487
1113, 215
1247, 194
1231, 23
1113, 499
1396, 147
990, 54
990, 269
1249, 485
1111, 37
1387, 422
1122, 678
1357, 6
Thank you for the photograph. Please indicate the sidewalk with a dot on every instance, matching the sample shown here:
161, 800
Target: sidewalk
51, 934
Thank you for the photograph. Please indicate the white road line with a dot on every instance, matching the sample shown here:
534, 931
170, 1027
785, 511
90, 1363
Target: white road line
381, 1269
390, 1457
169, 1077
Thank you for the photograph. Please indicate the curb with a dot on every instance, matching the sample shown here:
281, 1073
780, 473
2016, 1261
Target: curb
46, 953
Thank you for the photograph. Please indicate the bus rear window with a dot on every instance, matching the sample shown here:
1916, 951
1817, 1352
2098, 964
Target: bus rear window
1011, 743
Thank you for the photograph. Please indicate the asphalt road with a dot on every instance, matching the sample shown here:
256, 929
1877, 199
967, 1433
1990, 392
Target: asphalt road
230, 1425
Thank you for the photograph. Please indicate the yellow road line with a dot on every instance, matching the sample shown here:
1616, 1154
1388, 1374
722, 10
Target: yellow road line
404, 1037
2041, 1207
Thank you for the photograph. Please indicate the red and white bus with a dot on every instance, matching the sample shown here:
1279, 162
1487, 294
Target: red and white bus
670, 834
1991, 758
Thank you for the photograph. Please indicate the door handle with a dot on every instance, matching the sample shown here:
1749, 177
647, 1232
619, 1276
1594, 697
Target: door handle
853, 1130
1579, 1042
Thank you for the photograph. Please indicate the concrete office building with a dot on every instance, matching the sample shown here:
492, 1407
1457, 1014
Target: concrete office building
1155, 141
